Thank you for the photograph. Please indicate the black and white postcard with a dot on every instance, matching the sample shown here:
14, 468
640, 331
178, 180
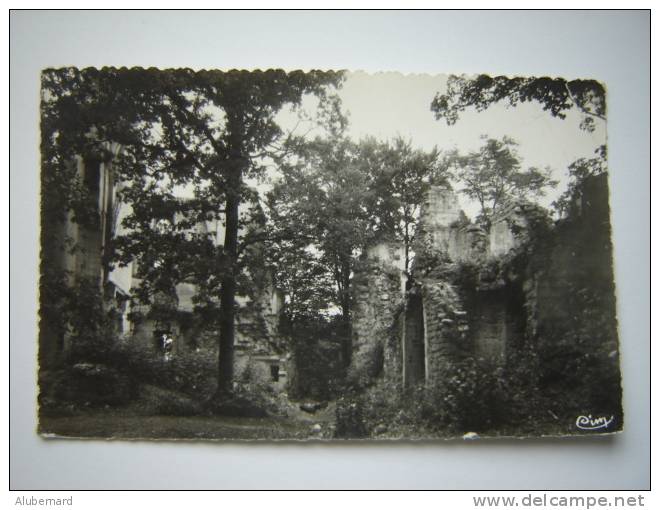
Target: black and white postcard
324, 255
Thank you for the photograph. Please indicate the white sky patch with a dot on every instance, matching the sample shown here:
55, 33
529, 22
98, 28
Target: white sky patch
386, 105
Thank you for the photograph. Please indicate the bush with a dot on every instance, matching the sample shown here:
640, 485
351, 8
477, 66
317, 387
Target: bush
192, 373
84, 385
471, 395
467, 398
318, 371
401, 411
350, 423
157, 401
253, 396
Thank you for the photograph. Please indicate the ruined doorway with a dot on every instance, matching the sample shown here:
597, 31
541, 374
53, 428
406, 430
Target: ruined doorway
274, 373
414, 349
498, 323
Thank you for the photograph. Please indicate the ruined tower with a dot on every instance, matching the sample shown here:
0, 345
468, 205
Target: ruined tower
445, 229
378, 293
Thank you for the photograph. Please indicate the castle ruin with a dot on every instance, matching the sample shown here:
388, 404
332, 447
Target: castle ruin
492, 295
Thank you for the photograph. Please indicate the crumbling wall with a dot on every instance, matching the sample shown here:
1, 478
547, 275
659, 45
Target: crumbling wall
489, 326
497, 322
500, 238
440, 209
445, 325
575, 326
489, 295
414, 344
444, 229
470, 307
378, 302
410, 335
530, 303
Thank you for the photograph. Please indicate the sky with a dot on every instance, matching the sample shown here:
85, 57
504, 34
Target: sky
385, 105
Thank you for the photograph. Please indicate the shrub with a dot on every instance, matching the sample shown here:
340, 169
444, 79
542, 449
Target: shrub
158, 401
350, 422
253, 396
467, 397
192, 373
318, 371
84, 385
400, 410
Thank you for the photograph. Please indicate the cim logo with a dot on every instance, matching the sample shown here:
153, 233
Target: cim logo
591, 423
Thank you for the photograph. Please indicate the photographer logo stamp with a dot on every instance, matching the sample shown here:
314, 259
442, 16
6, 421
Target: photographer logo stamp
590, 423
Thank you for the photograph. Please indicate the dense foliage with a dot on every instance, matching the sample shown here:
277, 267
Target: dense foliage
203, 131
555, 95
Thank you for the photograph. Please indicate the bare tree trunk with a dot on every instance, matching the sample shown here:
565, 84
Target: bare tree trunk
406, 242
228, 286
345, 301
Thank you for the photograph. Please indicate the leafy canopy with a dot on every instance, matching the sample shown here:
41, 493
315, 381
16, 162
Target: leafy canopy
399, 178
555, 95
198, 134
493, 176
320, 200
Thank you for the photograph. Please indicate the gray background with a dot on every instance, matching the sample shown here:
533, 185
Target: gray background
612, 47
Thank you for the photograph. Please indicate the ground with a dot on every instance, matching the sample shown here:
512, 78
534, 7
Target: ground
113, 424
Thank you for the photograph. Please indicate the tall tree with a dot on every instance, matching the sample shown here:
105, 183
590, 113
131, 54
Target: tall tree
299, 269
339, 196
493, 177
399, 177
204, 131
321, 197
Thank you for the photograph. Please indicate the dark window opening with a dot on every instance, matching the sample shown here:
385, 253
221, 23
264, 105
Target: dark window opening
92, 177
275, 372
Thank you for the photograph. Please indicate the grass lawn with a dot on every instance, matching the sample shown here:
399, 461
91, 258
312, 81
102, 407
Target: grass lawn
118, 426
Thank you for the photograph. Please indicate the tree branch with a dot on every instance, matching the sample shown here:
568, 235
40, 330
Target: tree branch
218, 146
580, 107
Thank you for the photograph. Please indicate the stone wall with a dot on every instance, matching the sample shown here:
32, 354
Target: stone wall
442, 317
445, 326
497, 322
440, 208
268, 370
575, 325
414, 344
529, 304
72, 254
378, 301
444, 228
489, 326
531, 296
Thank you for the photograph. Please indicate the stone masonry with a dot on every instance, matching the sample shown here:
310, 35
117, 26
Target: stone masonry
378, 289
407, 328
